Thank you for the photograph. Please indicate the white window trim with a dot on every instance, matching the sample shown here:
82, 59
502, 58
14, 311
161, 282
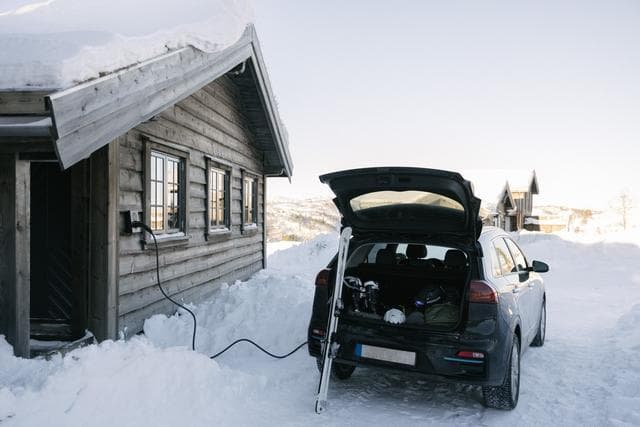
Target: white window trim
165, 199
213, 163
246, 176
175, 236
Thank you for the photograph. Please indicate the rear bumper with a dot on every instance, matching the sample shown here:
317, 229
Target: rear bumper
435, 352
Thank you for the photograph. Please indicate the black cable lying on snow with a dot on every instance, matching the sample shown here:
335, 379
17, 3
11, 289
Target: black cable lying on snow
195, 322
275, 356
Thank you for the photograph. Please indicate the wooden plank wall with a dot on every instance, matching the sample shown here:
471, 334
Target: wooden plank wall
23, 102
208, 123
103, 277
14, 252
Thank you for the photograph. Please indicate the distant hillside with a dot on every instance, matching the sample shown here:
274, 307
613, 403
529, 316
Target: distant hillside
303, 219
299, 220
580, 220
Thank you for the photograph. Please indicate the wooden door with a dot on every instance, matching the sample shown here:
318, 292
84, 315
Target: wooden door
58, 263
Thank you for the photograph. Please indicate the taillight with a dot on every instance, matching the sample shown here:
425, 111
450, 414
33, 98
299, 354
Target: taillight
482, 292
470, 354
322, 279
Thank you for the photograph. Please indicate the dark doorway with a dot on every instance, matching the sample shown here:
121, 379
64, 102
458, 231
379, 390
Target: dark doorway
57, 286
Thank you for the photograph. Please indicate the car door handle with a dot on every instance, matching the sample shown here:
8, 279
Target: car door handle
516, 289
531, 285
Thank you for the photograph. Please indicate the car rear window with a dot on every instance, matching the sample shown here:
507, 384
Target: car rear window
379, 199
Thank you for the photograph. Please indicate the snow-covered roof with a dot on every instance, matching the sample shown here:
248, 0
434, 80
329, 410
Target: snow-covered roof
135, 76
491, 184
523, 181
59, 43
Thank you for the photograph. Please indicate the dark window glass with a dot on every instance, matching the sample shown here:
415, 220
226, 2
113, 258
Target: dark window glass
518, 256
250, 201
157, 191
218, 193
507, 266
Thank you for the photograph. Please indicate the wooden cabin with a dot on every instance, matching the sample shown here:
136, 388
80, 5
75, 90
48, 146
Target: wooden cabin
523, 188
504, 215
185, 142
514, 207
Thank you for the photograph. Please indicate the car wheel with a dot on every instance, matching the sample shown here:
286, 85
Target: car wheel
505, 396
338, 370
538, 341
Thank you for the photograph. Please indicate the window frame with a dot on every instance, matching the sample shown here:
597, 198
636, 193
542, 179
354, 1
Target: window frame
509, 242
503, 273
253, 179
168, 151
215, 165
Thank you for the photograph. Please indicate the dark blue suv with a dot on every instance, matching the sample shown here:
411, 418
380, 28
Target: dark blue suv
427, 289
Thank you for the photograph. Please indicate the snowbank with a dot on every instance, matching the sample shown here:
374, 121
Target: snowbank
116, 378
586, 373
265, 308
58, 43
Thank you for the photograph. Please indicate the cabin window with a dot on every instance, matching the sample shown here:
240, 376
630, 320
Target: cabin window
166, 192
249, 200
218, 197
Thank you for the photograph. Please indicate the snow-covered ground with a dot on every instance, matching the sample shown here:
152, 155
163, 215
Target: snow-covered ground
588, 372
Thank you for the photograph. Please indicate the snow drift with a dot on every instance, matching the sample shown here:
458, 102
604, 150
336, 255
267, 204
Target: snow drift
586, 373
55, 44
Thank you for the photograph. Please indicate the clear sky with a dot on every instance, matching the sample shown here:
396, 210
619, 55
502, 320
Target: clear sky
550, 85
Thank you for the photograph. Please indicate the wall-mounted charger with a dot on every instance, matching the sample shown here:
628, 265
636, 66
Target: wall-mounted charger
128, 219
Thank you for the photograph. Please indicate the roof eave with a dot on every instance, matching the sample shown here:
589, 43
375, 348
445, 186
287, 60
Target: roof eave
25, 127
88, 116
277, 128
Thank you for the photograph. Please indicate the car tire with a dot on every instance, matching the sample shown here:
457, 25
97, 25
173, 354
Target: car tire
505, 396
538, 341
338, 370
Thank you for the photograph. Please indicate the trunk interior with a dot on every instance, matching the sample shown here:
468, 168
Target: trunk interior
406, 285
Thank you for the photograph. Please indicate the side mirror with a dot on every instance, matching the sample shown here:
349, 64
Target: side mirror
539, 267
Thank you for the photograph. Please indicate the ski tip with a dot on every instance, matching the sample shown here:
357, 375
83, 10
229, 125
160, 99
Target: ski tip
321, 405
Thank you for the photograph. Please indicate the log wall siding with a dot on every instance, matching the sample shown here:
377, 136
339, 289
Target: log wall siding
209, 123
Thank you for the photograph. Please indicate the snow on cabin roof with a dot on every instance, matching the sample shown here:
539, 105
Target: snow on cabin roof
489, 184
523, 180
60, 43
90, 55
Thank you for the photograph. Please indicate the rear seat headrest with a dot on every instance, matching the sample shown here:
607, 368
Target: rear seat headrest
416, 251
455, 258
386, 257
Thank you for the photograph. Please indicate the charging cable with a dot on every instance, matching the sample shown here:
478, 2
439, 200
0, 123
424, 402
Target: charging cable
148, 229
155, 242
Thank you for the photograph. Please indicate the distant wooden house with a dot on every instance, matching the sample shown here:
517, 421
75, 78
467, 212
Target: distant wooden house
513, 209
504, 213
186, 141
523, 188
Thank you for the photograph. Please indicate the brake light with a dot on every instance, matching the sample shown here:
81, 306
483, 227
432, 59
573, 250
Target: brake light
322, 279
482, 292
470, 354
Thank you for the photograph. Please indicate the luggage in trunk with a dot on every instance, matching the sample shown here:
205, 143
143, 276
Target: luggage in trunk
397, 284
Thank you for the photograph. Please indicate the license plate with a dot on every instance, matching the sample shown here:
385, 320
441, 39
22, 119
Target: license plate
386, 354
